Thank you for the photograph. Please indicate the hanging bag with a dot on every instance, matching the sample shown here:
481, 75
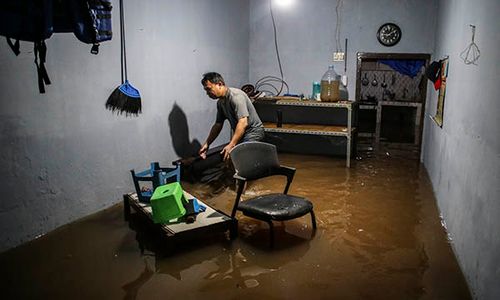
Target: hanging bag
25, 20
88, 20
36, 20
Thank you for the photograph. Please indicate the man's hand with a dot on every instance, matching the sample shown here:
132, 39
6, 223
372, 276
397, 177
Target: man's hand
225, 152
203, 151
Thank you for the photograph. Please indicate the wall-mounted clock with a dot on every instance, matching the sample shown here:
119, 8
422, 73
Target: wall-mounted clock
389, 34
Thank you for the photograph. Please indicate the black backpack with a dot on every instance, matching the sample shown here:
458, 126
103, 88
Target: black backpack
89, 20
36, 20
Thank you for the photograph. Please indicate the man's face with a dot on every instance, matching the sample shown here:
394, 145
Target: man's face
213, 90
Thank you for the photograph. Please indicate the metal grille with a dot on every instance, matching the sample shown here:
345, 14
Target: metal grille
399, 87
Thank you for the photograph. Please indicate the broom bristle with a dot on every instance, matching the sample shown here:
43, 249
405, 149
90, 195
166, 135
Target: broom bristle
120, 103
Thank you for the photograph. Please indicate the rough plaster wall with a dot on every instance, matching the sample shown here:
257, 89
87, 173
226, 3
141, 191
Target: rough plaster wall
63, 155
463, 157
306, 36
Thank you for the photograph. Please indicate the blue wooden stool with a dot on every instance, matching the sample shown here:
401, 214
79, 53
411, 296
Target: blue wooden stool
157, 176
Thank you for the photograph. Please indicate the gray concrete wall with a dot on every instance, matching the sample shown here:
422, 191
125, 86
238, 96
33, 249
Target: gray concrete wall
463, 157
63, 155
306, 36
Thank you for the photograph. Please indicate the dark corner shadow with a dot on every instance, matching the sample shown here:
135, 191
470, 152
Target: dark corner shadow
179, 131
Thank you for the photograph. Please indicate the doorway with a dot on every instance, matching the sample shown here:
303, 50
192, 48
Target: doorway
391, 89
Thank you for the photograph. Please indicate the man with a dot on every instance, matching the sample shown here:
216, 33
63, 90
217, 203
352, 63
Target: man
235, 106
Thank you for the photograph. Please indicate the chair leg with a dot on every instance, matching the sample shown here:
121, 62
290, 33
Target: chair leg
313, 220
233, 229
126, 207
271, 232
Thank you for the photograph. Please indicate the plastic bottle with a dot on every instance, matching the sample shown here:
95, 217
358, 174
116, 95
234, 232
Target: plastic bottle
316, 91
330, 85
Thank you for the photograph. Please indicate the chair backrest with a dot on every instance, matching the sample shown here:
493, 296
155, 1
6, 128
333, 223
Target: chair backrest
254, 160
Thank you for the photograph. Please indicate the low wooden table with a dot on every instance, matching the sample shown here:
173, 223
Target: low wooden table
208, 222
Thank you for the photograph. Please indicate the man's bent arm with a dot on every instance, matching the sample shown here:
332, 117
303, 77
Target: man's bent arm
239, 131
214, 133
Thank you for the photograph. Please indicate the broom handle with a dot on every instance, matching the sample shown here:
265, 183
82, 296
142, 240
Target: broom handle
122, 44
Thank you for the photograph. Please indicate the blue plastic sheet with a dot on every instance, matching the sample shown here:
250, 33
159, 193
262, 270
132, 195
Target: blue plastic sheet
406, 67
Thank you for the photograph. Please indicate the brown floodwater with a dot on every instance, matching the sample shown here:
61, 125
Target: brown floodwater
379, 236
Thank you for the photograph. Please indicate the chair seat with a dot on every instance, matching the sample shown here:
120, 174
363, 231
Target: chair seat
277, 207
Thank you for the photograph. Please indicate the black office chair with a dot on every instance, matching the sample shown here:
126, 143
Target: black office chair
255, 160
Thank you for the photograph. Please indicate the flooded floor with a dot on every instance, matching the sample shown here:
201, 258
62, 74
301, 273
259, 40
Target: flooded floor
379, 236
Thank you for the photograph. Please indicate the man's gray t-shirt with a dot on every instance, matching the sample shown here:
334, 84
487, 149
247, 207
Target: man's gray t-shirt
236, 105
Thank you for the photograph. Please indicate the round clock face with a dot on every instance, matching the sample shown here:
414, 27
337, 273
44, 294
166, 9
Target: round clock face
389, 34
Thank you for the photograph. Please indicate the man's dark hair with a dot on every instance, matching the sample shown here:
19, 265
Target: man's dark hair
213, 77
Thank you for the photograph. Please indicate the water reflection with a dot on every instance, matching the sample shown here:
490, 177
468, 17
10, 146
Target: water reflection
379, 236
238, 263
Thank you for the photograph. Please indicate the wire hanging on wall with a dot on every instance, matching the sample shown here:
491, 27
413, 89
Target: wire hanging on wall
471, 54
338, 24
277, 54
269, 85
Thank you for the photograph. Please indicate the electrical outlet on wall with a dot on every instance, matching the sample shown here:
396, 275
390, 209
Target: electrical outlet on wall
338, 56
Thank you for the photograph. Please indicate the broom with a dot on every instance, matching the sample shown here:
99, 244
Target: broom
125, 98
